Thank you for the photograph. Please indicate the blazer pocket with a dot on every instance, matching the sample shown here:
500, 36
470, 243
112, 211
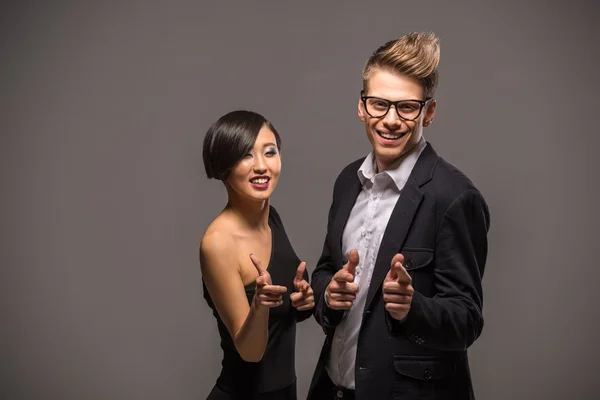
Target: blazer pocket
422, 377
416, 263
415, 259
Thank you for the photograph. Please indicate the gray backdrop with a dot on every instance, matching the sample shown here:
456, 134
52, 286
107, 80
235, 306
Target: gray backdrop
103, 108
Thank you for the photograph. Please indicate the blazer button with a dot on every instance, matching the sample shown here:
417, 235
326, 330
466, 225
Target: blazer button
427, 373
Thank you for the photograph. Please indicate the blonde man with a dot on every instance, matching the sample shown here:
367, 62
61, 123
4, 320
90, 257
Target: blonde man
398, 286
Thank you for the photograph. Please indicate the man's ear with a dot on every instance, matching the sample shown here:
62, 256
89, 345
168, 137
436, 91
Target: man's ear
429, 113
361, 109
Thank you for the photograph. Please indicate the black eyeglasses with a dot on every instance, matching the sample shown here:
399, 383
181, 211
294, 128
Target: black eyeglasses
408, 110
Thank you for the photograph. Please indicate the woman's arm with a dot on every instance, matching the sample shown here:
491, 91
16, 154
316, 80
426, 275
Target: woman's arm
247, 324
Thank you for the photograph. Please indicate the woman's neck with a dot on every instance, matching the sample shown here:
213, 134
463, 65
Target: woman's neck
255, 214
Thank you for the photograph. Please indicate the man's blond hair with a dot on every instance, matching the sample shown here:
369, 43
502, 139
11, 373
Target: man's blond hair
415, 54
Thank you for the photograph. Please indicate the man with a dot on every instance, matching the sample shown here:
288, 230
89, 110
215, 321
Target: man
398, 287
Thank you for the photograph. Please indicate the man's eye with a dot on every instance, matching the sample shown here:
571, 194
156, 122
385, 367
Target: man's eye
407, 107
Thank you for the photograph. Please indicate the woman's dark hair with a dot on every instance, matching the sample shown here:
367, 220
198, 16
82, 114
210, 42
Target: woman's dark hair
229, 139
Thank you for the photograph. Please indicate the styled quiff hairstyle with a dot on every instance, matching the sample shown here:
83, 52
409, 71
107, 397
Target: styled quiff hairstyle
415, 54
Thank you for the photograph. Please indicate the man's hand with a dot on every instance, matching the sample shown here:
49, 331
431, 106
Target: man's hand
266, 294
341, 291
397, 289
303, 298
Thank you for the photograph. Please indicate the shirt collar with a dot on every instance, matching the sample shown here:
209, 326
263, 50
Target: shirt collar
399, 171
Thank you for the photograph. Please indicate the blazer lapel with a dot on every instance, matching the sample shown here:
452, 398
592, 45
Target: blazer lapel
401, 219
395, 233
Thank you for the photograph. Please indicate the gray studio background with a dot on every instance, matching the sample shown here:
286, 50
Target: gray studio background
103, 108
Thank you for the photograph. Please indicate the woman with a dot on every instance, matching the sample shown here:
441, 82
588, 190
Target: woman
253, 280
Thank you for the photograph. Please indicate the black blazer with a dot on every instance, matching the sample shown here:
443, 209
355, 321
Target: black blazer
440, 225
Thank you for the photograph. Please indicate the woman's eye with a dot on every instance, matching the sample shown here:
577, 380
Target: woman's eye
248, 155
271, 153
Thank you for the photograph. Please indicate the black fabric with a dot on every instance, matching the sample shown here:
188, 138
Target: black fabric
327, 390
440, 224
287, 393
276, 370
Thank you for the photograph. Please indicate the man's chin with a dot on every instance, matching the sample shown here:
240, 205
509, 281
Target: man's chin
389, 154
387, 158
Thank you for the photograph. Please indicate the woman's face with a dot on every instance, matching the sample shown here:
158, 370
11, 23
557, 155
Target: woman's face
255, 176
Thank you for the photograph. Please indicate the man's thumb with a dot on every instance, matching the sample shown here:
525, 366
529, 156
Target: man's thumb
353, 260
396, 264
394, 270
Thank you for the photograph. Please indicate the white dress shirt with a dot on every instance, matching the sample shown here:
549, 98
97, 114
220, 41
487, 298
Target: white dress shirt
364, 230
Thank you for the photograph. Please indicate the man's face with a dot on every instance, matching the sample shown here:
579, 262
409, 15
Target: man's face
391, 135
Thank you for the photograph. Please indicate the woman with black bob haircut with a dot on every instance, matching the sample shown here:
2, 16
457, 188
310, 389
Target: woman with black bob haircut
252, 279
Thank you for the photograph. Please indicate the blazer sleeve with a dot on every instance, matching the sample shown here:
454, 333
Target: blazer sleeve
452, 319
324, 271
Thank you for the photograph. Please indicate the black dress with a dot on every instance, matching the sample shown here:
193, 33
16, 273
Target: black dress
274, 377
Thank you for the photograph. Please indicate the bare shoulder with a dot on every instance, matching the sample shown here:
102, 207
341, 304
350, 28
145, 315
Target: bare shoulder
217, 244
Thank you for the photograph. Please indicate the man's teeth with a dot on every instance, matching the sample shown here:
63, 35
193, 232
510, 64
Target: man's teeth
389, 135
259, 180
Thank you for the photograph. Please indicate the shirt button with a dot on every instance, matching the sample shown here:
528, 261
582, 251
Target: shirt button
363, 233
357, 270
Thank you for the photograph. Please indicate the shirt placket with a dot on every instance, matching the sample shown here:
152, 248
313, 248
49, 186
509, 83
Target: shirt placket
371, 233
363, 265
366, 249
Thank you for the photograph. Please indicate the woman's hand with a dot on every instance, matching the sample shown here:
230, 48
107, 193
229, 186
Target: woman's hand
267, 295
303, 298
